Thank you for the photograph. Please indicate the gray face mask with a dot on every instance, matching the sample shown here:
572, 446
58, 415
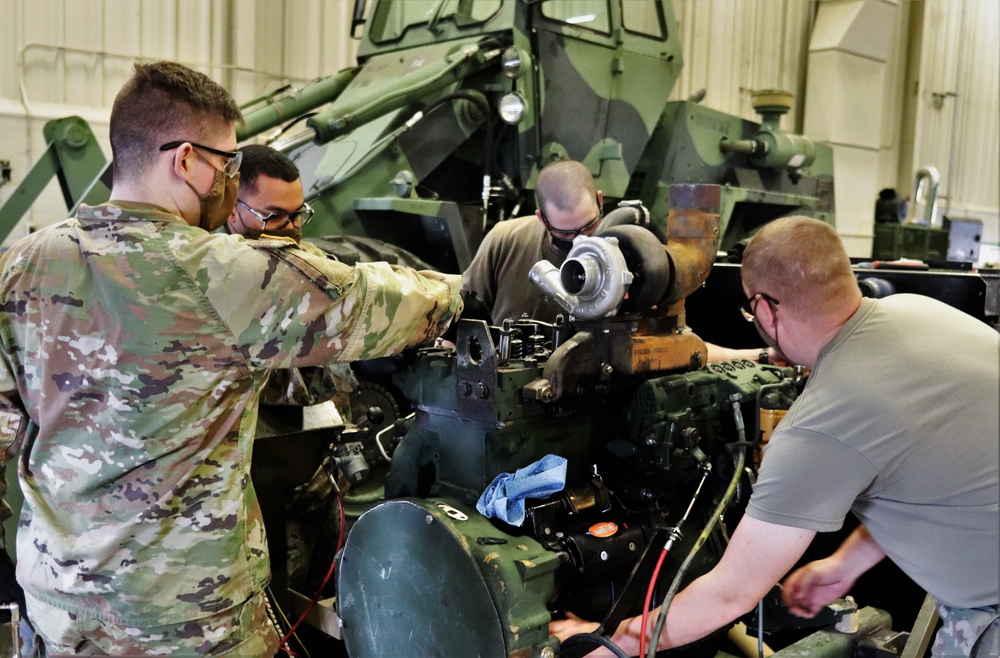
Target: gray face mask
218, 204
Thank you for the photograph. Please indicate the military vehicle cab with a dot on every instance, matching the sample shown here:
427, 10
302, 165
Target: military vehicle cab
455, 106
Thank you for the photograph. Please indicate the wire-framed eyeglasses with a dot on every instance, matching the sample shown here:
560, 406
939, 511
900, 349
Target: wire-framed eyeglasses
748, 310
233, 158
572, 234
296, 218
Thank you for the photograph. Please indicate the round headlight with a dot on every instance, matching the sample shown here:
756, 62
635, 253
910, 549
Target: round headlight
511, 63
512, 108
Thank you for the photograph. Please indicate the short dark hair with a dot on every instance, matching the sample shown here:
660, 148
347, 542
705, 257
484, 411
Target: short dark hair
163, 102
264, 160
559, 184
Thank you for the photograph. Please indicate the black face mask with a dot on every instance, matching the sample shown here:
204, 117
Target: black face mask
560, 244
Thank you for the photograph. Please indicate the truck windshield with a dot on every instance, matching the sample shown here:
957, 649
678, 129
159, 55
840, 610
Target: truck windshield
392, 18
589, 14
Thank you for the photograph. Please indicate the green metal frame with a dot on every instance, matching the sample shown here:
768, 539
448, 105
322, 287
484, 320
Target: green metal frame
72, 156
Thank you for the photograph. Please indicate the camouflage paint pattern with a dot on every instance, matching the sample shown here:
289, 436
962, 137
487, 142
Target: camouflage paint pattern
968, 632
137, 346
242, 631
303, 387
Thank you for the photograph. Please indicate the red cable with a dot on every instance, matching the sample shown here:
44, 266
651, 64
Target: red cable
649, 598
326, 579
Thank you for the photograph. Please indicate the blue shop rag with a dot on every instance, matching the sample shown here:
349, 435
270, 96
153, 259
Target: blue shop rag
504, 497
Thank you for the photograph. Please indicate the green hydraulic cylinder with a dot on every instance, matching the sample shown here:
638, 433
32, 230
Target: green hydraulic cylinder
276, 112
383, 91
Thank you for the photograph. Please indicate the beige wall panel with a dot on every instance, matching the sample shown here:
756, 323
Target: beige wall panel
734, 47
268, 36
121, 39
293, 42
9, 46
704, 45
257, 45
158, 30
976, 178
935, 107
845, 100
856, 192
304, 38
42, 24
83, 79
958, 108
196, 37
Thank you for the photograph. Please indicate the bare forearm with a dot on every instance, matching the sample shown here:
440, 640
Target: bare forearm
728, 590
703, 607
720, 353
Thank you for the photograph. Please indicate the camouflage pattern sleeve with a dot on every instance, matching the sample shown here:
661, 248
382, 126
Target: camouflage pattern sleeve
13, 422
291, 308
303, 387
139, 346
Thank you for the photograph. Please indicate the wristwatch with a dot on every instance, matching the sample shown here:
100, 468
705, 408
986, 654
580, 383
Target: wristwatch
763, 357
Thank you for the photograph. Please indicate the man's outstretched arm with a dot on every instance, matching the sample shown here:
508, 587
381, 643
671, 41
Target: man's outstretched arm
757, 557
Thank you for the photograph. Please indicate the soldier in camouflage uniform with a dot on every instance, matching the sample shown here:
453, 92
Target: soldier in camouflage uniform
270, 202
133, 346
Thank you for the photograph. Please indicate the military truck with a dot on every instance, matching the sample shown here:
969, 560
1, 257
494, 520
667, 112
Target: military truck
454, 107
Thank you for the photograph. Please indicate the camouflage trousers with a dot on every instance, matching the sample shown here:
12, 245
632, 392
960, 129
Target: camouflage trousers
244, 630
971, 632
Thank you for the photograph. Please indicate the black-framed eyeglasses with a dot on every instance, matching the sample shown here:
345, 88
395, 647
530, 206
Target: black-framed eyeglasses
748, 310
299, 217
233, 158
572, 234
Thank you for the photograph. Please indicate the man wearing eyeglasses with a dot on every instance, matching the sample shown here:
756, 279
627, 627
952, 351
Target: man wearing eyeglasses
270, 203
897, 425
270, 199
568, 206
135, 344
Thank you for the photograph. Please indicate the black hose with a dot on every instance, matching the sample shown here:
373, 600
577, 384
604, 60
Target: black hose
483, 106
285, 128
631, 214
592, 638
476, 100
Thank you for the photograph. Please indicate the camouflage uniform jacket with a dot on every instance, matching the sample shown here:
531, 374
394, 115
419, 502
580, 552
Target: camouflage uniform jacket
137, 346
303, 387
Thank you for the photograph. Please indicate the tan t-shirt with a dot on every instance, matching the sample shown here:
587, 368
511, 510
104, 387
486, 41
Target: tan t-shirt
499, 272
